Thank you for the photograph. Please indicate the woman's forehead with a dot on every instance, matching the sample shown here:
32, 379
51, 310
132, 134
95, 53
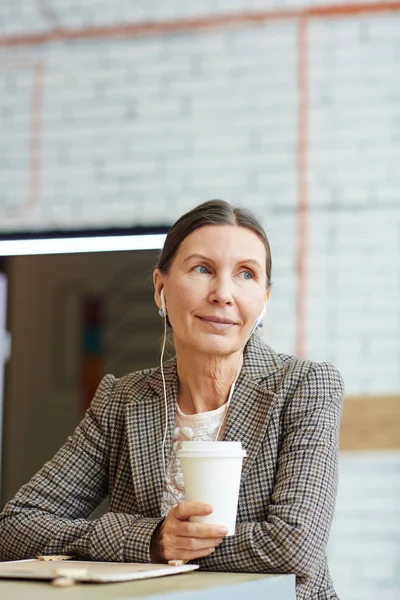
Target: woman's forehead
229, 242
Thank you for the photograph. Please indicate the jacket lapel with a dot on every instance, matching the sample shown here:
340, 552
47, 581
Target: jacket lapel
145, 421
253, 401
248, 419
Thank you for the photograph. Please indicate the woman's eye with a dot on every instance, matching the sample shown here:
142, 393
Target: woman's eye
246, 275
201, 269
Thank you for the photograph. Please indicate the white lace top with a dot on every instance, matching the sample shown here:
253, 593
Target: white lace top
199, 427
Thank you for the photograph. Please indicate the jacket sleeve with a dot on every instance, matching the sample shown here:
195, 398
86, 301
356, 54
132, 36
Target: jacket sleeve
293, 537
49, 515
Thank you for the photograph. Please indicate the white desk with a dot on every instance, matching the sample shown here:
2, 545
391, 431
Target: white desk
189, 586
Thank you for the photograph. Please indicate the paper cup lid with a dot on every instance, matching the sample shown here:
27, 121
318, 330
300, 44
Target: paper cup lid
211, 449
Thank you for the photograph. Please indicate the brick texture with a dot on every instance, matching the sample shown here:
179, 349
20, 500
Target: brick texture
364, 546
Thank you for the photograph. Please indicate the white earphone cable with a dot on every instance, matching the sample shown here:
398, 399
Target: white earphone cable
165, 395
239, 367
166, 482
232, 389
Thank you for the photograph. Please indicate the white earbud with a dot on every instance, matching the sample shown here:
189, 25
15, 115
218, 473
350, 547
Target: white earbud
260, 316
163, 310
258, 323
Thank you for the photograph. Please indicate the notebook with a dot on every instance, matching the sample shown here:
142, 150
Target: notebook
87, 571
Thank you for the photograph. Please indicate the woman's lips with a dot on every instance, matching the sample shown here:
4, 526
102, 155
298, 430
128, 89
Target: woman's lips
218, 323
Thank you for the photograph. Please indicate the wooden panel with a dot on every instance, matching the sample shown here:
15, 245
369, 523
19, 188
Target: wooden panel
370, 422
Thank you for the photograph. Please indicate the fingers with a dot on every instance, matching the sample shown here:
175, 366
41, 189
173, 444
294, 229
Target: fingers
195, 544
201, 530
203, 537
180, 539
184, 510
187, 548
173, 554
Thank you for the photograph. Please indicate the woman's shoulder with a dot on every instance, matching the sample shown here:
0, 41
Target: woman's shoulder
302, 367
113, 394
291, 370
138, 385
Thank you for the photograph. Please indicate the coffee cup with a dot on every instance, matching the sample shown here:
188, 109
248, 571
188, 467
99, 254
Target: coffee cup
211, 474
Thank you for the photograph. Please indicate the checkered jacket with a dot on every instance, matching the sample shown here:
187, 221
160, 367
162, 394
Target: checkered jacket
286, 413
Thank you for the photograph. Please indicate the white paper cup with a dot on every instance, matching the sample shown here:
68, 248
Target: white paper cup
211, 474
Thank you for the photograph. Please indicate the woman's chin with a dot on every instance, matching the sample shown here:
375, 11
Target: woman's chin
216, 345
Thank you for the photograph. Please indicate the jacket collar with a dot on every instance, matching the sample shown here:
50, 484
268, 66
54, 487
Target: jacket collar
260, 362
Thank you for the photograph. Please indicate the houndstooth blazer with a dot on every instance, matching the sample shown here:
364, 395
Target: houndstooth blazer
285, 411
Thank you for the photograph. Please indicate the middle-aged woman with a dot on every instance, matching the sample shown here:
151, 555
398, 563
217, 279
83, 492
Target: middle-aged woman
212, 283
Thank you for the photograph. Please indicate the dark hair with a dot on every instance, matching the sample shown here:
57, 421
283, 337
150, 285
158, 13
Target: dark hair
213, 212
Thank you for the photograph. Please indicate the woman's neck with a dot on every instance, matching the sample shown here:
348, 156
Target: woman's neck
204, 381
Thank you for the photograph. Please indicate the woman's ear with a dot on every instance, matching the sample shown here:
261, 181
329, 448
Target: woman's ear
158, 286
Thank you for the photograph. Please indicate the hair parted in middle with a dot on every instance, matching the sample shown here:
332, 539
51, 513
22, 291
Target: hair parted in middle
212, 212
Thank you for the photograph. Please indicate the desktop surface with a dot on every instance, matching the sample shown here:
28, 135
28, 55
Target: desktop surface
194, 586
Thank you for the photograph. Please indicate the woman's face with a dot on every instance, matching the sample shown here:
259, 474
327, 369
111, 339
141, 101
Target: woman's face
215, 289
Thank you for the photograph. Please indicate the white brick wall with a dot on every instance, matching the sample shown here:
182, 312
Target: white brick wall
19, 16
130, 122
355, 199
364, 545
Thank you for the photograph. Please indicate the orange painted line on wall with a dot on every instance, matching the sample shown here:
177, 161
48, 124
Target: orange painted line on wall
35, 127
199, 23
143, 29
302, 175
351, 10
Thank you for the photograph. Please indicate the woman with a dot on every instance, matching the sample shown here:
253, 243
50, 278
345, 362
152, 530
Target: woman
212, 283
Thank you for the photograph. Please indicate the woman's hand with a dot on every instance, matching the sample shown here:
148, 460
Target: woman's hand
178, 539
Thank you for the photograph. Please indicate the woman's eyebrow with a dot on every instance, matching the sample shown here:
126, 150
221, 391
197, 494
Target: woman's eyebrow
251, 261
241, 261
201, 256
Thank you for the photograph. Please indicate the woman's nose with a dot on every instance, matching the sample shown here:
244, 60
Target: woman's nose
221, 291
